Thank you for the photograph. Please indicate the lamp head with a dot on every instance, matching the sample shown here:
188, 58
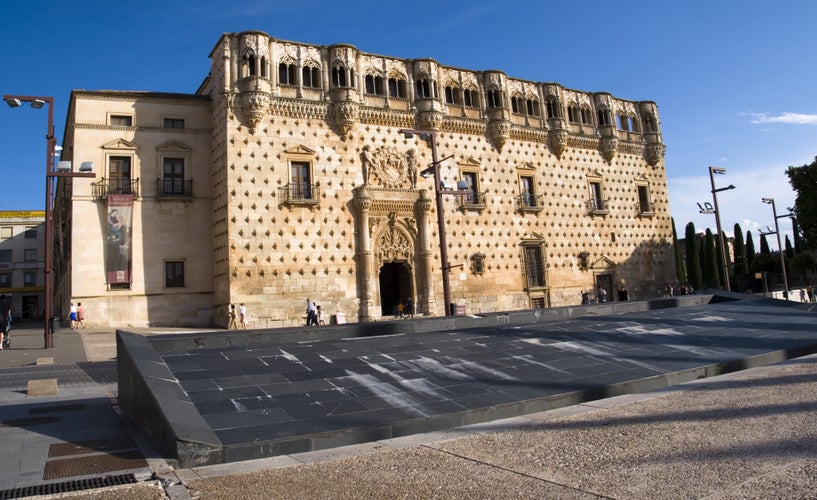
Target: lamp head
86, 166
408, 135
427, 173
12, 102
717, 170
730, 186
37, 103
768, 201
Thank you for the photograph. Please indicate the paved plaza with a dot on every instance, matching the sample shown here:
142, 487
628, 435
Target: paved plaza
588, 405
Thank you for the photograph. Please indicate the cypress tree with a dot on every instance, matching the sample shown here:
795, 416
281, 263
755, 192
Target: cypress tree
741, 266
709, 262
680, 270
693, 262
750, 249
764, 246
789, 249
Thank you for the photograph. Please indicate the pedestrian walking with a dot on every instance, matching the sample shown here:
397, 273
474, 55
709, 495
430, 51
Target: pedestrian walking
80, 315
242, 313
72, 315
5, 321
311, 313
231, 316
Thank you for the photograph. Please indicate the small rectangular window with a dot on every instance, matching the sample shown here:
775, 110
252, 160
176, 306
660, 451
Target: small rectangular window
31, 232
6, 232
527, 193
173, 123
644, 204
5, 280
30, 278
470, 98
121, 120
31, 255
174, 274
5, 255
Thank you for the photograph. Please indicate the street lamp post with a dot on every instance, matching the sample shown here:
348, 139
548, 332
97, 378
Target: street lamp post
38, 102
439, 191
770, 201
712, 172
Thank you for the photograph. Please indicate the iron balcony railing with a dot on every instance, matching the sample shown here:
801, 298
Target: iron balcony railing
596, 205
472, 200
105, 187
529, 202
173, 188
299, 193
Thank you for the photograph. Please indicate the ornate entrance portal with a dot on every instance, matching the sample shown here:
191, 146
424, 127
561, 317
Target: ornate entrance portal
395, 287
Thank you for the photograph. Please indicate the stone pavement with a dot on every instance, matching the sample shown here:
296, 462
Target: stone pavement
745, 435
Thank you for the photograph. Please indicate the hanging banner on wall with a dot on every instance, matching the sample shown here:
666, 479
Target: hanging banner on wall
118, 240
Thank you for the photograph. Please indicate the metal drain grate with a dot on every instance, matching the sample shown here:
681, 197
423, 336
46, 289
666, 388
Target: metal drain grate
68, 486
94, 464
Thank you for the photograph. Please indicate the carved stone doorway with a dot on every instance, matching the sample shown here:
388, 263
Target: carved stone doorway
395, 286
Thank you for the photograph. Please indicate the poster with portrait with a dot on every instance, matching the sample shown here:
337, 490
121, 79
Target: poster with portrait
118, 238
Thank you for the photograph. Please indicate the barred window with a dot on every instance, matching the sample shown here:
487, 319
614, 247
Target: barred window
534, 265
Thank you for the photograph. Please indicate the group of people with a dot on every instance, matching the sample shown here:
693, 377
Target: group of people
405, 309
238, 318
807, 292
77, 315
601, 295
314, 314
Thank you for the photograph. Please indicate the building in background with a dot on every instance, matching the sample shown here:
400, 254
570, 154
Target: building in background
286, 177
22, 262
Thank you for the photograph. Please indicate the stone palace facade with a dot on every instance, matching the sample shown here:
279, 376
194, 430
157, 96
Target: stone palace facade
286, 177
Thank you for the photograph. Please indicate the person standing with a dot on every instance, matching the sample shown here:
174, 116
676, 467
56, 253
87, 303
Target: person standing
231, 316
585, 297
80, 315
72, 315
5, 320
410, 308
242, 313
311, 313
602, 295
321, 321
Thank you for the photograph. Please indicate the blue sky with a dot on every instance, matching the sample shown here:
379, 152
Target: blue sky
734, 80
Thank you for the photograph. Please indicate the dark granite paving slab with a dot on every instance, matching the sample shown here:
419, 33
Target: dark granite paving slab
264, 399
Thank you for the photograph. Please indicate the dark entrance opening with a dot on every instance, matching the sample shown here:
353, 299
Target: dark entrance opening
604, 281
395, 287
30, 306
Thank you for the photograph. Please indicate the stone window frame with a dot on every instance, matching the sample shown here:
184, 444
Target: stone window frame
174, 150
534, 248
171, 122
644, 201
596, 204
474, 199
120, 119
176, 267
478, 263
6, 232
306, 156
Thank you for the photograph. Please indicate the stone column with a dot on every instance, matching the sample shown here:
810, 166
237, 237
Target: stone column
363, 253
426, 303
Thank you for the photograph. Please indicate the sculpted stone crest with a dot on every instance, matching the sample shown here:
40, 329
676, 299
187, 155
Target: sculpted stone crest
386, 167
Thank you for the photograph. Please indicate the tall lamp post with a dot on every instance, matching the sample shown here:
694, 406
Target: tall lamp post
770, 201
38, 102
439, 191
712, 172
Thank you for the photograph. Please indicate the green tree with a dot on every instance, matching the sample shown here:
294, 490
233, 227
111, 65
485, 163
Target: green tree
750, 249
803, 263
795, 230
680, 269
803, 180
741, 265
693, 261
764, 245
789, 249
709, 264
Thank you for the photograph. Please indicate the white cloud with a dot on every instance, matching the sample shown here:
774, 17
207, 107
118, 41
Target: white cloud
787, 118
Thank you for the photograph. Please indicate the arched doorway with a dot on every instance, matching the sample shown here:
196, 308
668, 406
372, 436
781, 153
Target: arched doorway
395, 286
